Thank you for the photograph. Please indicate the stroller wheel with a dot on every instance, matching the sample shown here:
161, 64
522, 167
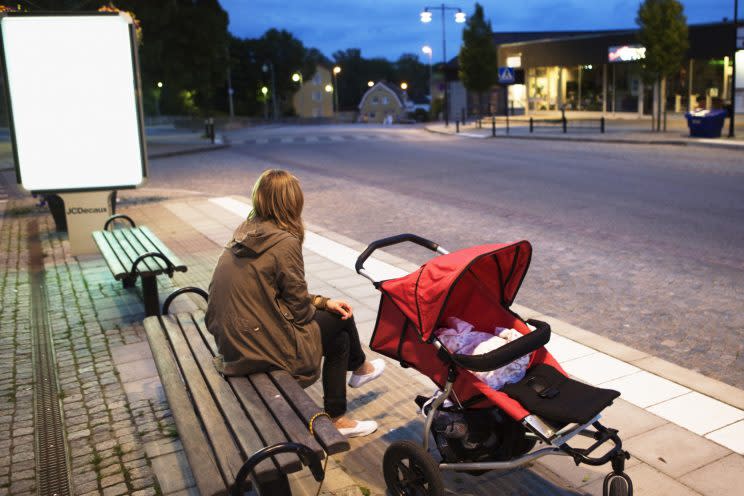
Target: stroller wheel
411, 471
617, 484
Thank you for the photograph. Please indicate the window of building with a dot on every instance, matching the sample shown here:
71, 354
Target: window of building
371, 115
317, 95
385, 100
316, 79
375, 100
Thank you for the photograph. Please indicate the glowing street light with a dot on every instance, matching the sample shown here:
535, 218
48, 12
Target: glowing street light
336, 72
264, 91
370, 83
404, 86
427, 50
160, 84
329, 88
296, 77
426, 17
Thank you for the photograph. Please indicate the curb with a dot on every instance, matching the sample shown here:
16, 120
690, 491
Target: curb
730, 146
189, 151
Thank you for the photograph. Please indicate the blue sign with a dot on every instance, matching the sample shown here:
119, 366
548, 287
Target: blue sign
506, 75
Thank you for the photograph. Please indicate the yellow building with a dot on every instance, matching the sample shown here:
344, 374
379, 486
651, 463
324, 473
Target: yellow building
315, 96
381, 102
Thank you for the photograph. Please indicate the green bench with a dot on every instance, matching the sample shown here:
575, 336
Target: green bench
136, 251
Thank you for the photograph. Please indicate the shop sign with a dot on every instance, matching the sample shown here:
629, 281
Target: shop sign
626, 53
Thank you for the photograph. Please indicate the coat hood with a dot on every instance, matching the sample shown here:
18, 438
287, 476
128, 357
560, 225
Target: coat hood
253, 237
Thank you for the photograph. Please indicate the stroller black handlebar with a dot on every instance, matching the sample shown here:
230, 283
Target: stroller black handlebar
509, 352
393, 240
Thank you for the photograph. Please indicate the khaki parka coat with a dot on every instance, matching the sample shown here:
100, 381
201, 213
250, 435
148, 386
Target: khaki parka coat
259, 310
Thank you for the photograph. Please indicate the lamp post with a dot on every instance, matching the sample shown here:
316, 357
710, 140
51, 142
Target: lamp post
732, 130
269, 66
426, 17
427, 50
264, 92
297, 78
336, 71
157, 97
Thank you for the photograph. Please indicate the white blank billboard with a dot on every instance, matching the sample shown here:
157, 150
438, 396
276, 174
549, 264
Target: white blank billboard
73, 87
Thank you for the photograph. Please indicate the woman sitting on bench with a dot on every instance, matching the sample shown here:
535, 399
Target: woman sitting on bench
262, 316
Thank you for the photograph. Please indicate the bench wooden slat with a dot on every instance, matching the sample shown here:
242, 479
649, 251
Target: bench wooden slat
121, 244
109, 256
149, 246
180, 266
257, 411
141, 248
250, 441
227, 453
121, 253
201, 459
286, 417
332, 441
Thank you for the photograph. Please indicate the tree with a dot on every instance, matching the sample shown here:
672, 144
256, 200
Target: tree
663, 32
478, 57
409, 68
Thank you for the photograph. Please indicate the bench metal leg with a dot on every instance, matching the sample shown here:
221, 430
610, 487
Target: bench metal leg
150, 295
128, 282
277, 487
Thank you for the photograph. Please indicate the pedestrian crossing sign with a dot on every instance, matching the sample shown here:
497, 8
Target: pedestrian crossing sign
506, 75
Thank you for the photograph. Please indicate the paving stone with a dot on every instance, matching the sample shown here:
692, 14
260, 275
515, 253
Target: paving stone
717, 478
172, 471
674, 450
115, 490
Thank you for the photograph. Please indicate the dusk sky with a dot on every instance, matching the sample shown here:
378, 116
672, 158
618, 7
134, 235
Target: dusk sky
388, 28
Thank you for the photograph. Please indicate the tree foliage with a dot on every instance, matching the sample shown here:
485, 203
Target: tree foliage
663, 31
478, 57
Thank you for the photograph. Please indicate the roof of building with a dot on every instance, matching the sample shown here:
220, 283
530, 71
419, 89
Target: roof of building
383, 84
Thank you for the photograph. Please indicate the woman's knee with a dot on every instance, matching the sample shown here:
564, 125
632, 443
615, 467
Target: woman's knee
339, 346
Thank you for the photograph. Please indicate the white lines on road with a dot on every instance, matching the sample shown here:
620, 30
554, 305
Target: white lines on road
325, 139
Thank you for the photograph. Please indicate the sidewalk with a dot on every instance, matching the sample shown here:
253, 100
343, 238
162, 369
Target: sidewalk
619, 131
685, 432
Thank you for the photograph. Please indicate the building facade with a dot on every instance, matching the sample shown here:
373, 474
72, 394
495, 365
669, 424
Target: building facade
382, 103
314, 99
601, 71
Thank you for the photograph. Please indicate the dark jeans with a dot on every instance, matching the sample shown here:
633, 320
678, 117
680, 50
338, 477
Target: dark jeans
342, 352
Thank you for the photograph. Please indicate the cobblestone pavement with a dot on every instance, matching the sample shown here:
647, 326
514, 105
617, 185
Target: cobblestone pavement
642, 244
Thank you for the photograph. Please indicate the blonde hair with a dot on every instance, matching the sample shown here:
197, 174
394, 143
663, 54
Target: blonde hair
277, 197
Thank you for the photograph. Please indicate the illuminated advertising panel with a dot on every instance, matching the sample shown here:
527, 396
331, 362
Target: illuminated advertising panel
626, 53
74, 101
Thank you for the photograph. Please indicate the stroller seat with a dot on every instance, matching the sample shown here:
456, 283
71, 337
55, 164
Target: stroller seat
546, 392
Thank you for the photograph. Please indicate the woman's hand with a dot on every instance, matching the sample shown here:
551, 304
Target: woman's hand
340, 307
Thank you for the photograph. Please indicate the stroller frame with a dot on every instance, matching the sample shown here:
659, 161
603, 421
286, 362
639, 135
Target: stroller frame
556, 437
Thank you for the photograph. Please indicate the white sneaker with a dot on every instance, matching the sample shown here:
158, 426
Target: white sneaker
356, 381
362, 428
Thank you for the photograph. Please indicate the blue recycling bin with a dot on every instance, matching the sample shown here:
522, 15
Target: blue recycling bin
706, 123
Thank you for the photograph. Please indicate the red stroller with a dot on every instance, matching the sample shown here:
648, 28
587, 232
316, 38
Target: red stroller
475, 427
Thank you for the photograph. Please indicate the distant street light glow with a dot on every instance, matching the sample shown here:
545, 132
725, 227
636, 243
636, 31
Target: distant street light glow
264, 90
336, 70
427, 50
160, 84
296, 77
329, 88
404, 86
426, 16
459, 16
370, 83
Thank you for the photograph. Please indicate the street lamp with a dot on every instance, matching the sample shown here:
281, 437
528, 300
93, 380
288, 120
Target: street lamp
157, 96
329, 88
404, 86
732, 128
427, 50
370, 83
269, 66
426, 17
264, 92
297, 78
160, 84
336, 72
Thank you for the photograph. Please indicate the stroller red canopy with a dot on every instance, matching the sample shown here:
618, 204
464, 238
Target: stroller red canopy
497, 270
477, 285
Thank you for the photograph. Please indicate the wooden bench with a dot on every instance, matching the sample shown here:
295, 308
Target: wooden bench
235, 427
136, 251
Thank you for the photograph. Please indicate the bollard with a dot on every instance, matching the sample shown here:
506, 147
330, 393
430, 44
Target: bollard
457, 126
532, 124
564, 123
493, 127
602, 125
211, 129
